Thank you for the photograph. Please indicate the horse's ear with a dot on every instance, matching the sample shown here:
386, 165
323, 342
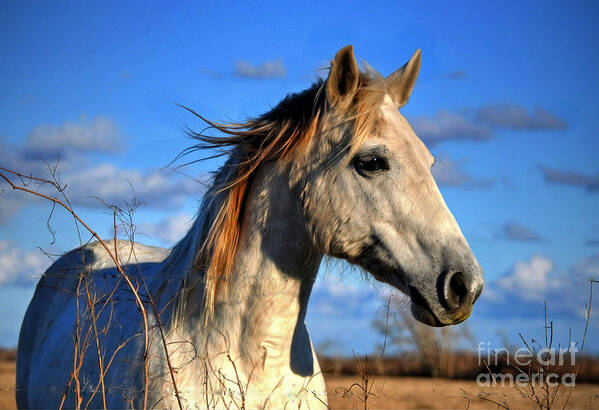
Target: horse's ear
401, 82
343, 77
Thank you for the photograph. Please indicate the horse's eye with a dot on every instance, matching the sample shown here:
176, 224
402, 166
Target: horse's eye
370, 164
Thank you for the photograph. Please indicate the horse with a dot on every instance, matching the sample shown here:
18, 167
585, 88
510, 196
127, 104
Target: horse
332, 171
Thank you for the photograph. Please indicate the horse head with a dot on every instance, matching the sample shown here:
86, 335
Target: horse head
369, 196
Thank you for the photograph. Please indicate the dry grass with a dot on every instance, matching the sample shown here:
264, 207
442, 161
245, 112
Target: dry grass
7, 385
431, 393
390, 393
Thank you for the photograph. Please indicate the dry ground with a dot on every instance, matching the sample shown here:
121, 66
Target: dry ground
391, 393
423, 393
7, 385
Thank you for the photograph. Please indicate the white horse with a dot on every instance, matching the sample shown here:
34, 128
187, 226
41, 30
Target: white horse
334, 170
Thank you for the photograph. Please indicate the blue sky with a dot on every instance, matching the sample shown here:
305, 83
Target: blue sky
506, 100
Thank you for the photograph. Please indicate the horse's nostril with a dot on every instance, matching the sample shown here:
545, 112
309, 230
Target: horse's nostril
455, 290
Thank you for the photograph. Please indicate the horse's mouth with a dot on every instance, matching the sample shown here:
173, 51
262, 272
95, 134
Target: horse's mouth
422, 311
419, 306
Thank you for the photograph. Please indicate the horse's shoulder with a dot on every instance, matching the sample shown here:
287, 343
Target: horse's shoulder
61, 283
62, 280
52, 308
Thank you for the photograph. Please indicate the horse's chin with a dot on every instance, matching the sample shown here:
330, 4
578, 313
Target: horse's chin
424, 315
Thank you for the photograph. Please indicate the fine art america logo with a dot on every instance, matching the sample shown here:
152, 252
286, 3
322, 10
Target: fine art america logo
532, 366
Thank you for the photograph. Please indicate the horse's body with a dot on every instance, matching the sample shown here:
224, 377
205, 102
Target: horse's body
335, 170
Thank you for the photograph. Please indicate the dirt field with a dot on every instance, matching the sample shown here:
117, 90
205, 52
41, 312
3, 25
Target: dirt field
422, 393
7, 385
390, 393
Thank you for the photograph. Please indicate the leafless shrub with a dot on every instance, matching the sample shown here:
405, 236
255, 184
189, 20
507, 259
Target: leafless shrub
85, 327
362, 390
532, 380
434, 347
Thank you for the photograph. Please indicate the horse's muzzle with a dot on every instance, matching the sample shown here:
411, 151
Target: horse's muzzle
456, 294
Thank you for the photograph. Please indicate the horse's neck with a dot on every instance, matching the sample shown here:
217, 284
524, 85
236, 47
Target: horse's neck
262, 315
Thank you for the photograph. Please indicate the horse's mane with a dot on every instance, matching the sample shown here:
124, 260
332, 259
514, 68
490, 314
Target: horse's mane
208, 250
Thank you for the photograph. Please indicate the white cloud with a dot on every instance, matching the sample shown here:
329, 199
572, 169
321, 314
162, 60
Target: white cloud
515, 231
448, 126
349, 294
477, 126
74, 141
114, 186
154, 188
573, 178
530, 280
338, 287
450, 173
528, 284
19, 267
513, 116
170, 229
100, 134
587, 268
66, 145
268, 69
345, 307
457, 75
10, 203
